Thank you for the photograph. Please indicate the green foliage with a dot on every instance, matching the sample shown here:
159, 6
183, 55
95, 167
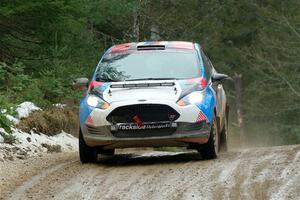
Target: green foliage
5, 123
6, 107
6, 104
33, 93
12, 77
45, 45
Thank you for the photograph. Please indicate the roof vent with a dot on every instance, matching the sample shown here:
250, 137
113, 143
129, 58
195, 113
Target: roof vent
150, 47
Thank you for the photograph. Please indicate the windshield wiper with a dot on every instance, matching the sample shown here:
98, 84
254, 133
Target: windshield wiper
146, 79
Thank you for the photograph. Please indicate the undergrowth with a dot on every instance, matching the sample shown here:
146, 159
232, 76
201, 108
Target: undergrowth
51, 121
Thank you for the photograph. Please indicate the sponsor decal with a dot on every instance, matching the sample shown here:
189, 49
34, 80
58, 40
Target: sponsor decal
138, 120
182, 45
171, 117
201, 117
94, 84
89, 121
146, 126
120, 47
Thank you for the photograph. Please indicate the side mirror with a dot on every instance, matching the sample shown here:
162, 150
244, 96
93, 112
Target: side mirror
81, 83
219, 78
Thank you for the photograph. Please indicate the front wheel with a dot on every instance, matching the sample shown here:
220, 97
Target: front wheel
211, 149
87, 154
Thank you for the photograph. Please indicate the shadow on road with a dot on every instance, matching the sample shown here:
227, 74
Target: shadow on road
149, 159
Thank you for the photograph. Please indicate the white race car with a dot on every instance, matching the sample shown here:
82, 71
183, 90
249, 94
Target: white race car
153, 94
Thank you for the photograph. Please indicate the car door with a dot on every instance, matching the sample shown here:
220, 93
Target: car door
218, 88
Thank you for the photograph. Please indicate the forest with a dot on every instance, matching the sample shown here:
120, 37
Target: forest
45, 45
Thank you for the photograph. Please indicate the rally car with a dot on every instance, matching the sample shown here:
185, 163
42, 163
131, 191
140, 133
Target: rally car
153, 94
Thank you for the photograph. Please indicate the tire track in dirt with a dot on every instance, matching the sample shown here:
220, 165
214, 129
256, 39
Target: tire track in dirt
19, 192
14, 174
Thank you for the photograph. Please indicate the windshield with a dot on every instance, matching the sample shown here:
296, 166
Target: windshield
148, 65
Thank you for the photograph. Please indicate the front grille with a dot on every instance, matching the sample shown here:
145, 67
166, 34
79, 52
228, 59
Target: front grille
145, 112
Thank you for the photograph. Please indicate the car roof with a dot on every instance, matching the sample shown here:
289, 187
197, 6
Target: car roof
152, 45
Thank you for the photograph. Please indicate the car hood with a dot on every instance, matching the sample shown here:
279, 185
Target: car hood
171, 90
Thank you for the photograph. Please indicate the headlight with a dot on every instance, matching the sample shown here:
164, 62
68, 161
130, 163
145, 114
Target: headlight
97, 102
192, 98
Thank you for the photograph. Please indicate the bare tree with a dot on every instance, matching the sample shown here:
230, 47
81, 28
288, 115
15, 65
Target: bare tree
136, 21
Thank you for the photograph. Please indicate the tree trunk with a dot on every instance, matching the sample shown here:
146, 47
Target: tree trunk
239, 107
136, 22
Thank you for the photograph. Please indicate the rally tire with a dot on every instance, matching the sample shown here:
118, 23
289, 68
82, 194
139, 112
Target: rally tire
211, 149
86, 154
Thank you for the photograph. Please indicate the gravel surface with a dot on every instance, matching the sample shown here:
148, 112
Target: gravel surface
260, 173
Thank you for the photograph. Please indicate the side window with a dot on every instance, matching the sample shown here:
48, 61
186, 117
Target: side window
207, 65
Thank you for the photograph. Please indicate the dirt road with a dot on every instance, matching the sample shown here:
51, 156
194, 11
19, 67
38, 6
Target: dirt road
264, 173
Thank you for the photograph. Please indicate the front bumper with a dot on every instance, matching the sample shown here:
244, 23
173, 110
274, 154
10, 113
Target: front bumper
182, 135
97, 130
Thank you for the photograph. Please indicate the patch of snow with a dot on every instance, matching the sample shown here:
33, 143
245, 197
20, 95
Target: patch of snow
65, 140
3, 111
24, 109
1, 139
30, 144
12, 119
59, 105
2, 131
